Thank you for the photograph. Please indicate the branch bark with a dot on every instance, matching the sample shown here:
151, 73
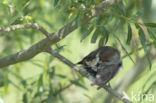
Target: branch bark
25, 26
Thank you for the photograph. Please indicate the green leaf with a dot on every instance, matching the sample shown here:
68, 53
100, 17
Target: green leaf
101, 41
129, 36
56, 2
25, 98
123, 8
36, 64
153, 85
151, 77
81, 79
141, 37
59, 47
13, 83
50, 95
116, 26
87, 33
108, 19
124, 48
61, 98
95, 36
152, 36
61, 76
105, 36
40, 83
77, 83
13, 19
24, 83
126, 51
26, 4
37, 94
80, 18
52, 72
153, 25
144, 42
138, 14
114, 29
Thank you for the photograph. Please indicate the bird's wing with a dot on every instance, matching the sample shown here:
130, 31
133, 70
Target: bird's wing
104, 54
89, 57
105, 74
102, 76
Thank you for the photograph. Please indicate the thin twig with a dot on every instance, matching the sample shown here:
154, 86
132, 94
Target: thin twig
25, 26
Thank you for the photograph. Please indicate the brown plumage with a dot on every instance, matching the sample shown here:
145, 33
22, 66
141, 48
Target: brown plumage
102, 64
105, 54
105, 74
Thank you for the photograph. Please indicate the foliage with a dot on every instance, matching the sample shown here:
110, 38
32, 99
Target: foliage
44, 79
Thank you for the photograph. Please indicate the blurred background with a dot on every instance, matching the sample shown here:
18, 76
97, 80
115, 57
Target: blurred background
128, 26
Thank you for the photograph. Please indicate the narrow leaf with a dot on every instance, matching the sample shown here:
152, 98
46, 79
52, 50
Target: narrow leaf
95, 36
81, 79
129, 36
152, 36
153, 25
87, 33
101, 41
56, 2
144, 42
61, 76
77, 83
106, 35
116, 25
40, 83
138, 14
123, 8
115, 28
108, 19
24, 83
25, 98
124, 48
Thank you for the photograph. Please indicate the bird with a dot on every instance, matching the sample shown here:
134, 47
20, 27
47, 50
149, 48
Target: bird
102, 65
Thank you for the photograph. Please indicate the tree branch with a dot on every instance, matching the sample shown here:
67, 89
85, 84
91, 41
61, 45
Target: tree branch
84, 73
25, 26
52, 37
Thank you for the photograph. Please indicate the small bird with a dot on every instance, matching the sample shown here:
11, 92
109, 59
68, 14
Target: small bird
102, 65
